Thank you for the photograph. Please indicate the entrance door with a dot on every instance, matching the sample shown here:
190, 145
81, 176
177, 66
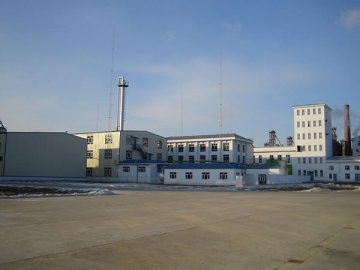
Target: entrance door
335, 177
357, 176
311, 174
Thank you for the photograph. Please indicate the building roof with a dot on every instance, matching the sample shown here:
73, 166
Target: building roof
218, 165
344, 159
209, 136
311, 105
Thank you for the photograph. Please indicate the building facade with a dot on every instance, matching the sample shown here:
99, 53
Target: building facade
229, 147
106, 150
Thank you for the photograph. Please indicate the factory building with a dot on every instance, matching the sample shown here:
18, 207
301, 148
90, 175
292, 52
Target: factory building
227, 147
124, 156
315, 151
41, 155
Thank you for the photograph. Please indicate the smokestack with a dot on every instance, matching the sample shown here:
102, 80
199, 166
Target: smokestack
347, 134
121, 103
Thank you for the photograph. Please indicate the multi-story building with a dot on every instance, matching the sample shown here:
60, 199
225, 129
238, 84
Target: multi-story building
229, 147
312, 151
106, 151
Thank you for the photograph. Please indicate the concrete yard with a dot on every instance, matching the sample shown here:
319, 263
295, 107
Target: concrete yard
182, 230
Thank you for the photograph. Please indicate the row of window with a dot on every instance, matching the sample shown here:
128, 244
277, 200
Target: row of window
108, 154
309, 123
214, 158
129, 140
315, 136
107, 171
347, 176
347, 168
310, 160
311, 148
204, 175
214, 147
315, 173
279, 157
140, 169
309, 111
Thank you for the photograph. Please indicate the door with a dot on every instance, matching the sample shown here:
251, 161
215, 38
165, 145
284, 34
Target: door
311, 174
335, 177
357, 177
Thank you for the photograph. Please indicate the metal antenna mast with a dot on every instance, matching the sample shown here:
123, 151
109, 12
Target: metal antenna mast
221, 111
111, 83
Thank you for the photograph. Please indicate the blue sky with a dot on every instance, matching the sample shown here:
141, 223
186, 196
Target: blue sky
55, 64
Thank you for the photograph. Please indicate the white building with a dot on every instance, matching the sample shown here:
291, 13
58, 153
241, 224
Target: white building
228, 147
312, 152
109, 154
42, 155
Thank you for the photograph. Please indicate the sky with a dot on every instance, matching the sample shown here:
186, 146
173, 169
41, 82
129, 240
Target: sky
194, 67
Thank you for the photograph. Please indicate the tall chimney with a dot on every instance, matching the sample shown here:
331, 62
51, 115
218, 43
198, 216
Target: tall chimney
347, 134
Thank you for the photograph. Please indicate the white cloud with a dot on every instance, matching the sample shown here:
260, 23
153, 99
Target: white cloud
350, 19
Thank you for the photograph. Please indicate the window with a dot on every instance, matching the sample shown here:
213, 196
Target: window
304, 160
308, 111
128, 154
223, 175
330, 176
126, 168
243, 148
299, 160
314, 135
170, 148
288, 158
108, 139
347, 176
279, 157
260, 159
314, 111
90, 139
347, 168
309, 136
303, 136
314, 123
202, 158
238, 158
308, 123
315, 160
321, 160
298, 124
302, 112
142, 169
297, 112
191, 159
159, 157
214, 147
331, 168
202, 147
180, 148
108, 153
315, 147
213, 158
309, 148
356, 167
309, 160
319, 123
226, 158
320, 135
316, 173
271, 157
90, 154
304, 172
298, 136
188, 175
321, 173
319, 110
299, 172
205, 175
303, 123
170, 159
320, 147
107, 171
159, 144
146, 142
303, 148
226, 146
238, 147
181, 159
191, 148
89, 171
172, 175
244, 159
128, 139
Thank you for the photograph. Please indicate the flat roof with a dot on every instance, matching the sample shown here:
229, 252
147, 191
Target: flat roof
209, 136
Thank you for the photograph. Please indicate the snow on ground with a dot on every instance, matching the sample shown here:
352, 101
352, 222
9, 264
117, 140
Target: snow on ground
23, 189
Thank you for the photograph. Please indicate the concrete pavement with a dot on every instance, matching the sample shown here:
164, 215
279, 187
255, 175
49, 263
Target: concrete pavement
182, 230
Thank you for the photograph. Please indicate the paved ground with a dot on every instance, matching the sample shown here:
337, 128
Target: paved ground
182, 230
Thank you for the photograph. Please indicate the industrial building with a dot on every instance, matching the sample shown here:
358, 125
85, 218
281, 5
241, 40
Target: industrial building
124, 156
41, 155
314, 151
227, 147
